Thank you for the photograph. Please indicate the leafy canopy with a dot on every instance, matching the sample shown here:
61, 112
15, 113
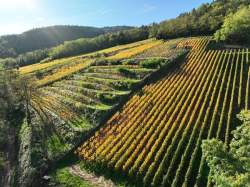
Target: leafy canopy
236, 27
230, 167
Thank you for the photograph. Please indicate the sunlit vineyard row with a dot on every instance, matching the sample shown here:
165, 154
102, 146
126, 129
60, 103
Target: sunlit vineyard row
127, 53
156, 137
77, 93
93, 86
67, 61
96, 88
47, 73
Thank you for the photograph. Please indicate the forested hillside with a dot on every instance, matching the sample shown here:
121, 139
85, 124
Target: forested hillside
40, 38
204, 20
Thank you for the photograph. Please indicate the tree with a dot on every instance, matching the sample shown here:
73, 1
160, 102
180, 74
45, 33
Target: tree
236, 27
230, 167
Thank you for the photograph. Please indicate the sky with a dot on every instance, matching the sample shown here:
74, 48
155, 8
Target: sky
17, 16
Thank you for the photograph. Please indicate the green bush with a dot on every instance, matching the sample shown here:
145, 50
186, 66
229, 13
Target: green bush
127, 72
108, 98
152, 63
230, 165
123, 85
39, 74
129, 62
113, 62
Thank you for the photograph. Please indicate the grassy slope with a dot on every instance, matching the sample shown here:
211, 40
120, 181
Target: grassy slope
63, 178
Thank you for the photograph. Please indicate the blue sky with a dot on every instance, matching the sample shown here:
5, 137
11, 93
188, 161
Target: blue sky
17, 16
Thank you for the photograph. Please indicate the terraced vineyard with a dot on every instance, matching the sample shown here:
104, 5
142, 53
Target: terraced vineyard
156, 137
95, 89
94, 86
78, 93
49, 72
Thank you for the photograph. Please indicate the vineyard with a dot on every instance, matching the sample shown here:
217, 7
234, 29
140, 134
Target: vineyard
155, 139
78, 93
59, 65
94, 86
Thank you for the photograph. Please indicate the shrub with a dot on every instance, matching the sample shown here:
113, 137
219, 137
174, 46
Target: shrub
39, 74
127, 72
152, 63
108, 98
129, 62
123, 85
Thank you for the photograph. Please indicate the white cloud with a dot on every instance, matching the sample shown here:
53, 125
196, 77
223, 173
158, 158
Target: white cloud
104, 12
148, 8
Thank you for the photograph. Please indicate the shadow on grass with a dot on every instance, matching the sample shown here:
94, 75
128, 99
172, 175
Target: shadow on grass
119, 178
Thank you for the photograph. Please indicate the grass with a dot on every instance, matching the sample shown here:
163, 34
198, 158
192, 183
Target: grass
118, 178
63, 178
82, 124
55, 145
60, 175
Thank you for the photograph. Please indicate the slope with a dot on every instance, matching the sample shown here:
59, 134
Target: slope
155, 139
72, 97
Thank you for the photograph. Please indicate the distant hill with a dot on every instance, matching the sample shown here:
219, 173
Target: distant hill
46, 37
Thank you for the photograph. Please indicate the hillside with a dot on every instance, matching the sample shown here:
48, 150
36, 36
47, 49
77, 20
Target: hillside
183, 102
135, 101
155, 139
79, 93
47, 37
203, 20
167, 104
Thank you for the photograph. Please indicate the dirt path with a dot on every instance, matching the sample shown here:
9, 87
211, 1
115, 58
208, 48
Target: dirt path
92, 179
